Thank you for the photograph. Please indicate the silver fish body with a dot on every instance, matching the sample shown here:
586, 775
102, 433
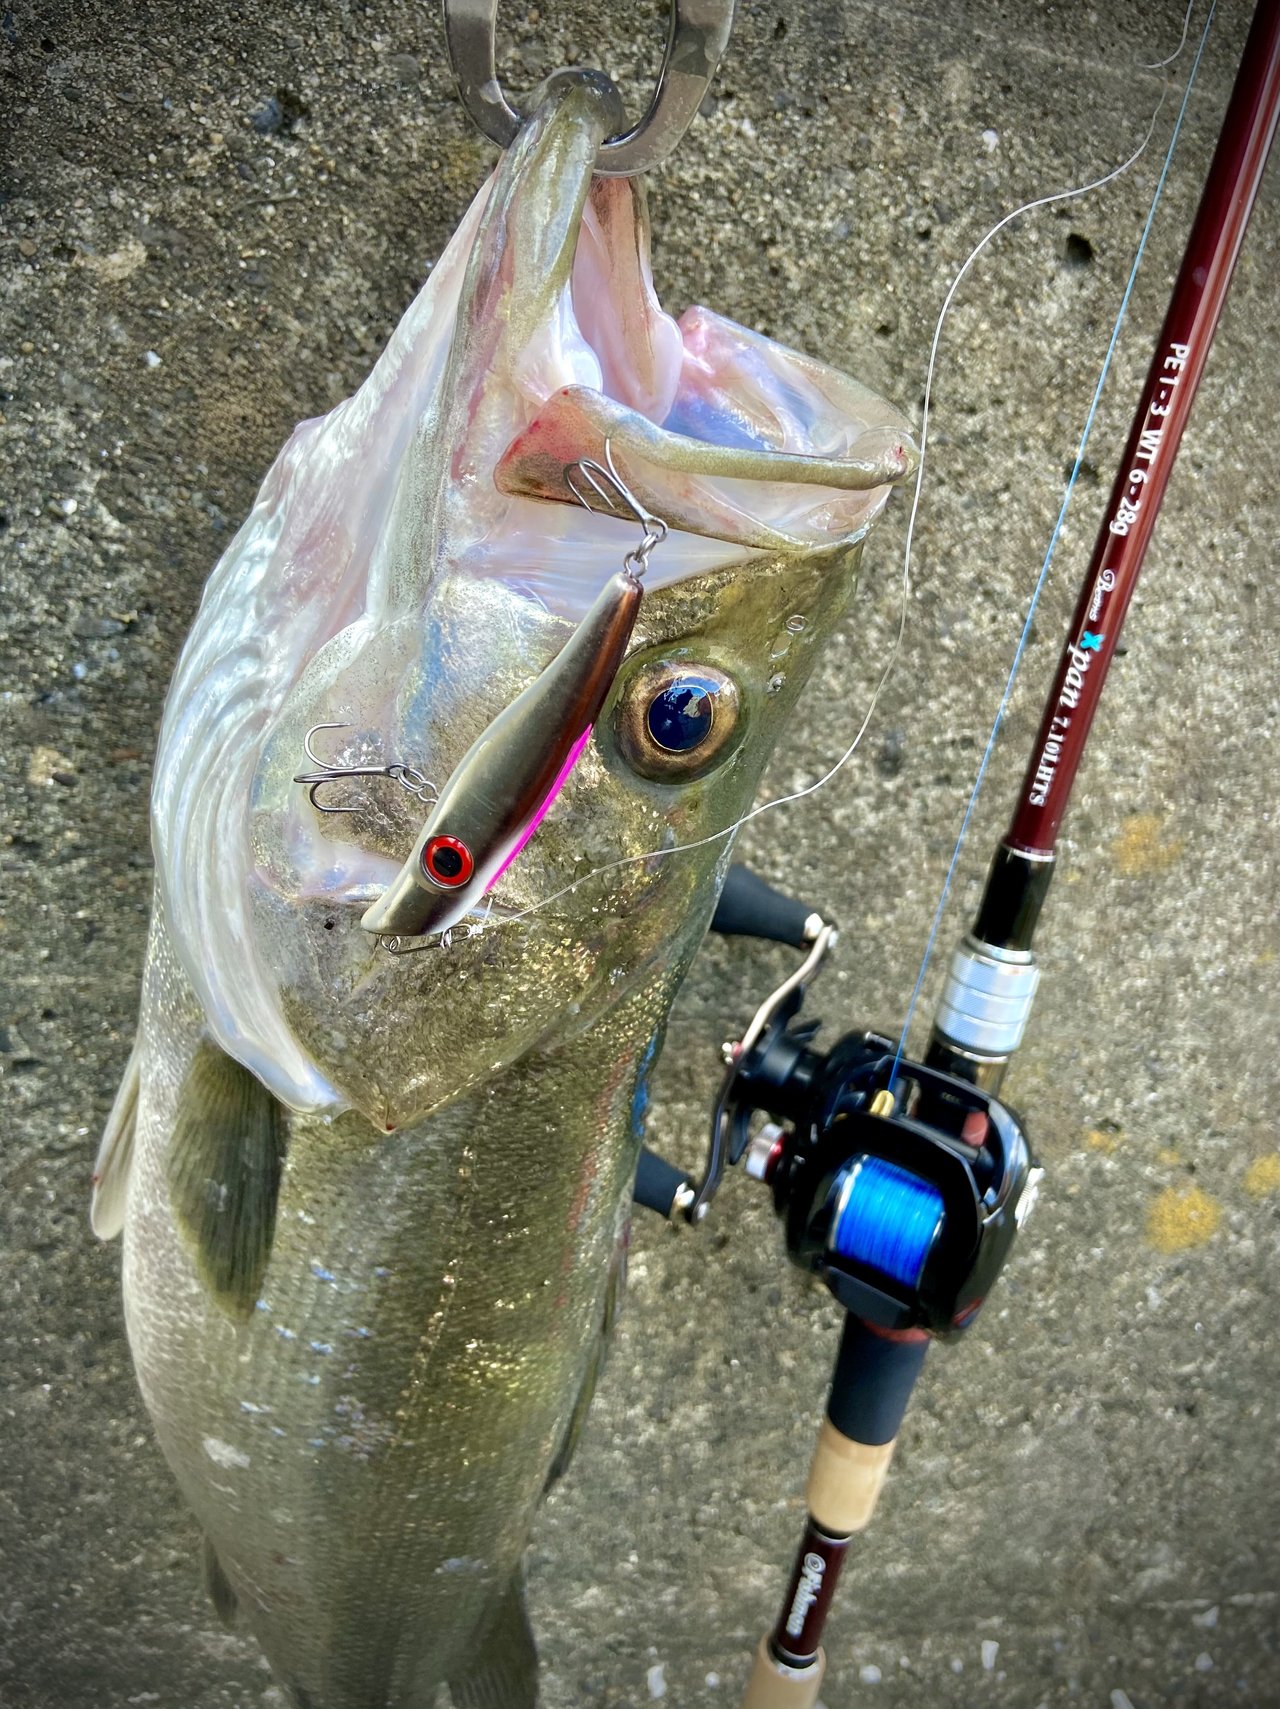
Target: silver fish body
374, 1206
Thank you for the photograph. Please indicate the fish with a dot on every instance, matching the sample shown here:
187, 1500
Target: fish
374, 1206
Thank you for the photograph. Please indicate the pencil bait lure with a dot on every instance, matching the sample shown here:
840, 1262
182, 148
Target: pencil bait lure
501, 789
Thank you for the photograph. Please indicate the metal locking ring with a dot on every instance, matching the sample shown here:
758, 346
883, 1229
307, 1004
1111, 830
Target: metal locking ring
697, 37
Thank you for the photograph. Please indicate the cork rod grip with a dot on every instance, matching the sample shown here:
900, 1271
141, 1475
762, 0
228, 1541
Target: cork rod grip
845, 1480
774, 1685
870, 1388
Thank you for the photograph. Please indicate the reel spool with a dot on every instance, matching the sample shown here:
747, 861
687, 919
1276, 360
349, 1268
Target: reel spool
886, 1219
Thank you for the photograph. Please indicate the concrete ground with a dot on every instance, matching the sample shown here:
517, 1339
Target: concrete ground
212, 217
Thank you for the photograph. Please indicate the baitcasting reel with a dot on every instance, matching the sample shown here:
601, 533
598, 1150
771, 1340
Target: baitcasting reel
900, 1185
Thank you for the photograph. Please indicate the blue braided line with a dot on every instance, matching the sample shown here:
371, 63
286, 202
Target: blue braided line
887, 1218
1048, 558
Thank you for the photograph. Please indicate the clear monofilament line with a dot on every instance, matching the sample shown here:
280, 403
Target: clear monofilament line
1037, 590
1159, 64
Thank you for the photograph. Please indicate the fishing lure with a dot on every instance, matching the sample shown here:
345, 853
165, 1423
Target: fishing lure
504, 784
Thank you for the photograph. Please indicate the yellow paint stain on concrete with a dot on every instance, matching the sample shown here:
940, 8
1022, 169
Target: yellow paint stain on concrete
1140, 848
118, 265
1178, 1221
1098, 1139
1263, 1176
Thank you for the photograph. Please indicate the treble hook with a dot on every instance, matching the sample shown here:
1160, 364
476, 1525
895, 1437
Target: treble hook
407, 776
655, 529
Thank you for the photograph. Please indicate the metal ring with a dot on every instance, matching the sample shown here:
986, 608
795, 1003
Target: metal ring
697, 37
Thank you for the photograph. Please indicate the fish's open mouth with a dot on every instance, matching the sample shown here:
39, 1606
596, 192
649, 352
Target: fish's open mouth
736, 442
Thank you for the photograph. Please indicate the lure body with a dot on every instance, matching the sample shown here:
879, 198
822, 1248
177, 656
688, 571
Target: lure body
373, 1205
509, 776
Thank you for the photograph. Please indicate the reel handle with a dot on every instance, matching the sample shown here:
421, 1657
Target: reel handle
750, 908
661, 1187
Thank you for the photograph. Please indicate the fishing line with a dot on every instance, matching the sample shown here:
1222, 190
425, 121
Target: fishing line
1041, 579
1159, 64
493, 923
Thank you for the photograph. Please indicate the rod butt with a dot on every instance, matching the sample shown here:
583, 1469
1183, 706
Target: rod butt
774, 1685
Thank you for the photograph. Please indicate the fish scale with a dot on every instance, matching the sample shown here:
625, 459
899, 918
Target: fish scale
469, 1303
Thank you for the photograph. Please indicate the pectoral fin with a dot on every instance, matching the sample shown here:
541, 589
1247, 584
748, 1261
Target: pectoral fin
614, 1289
504, 1671
115, 1155
226, 1605
224, 1163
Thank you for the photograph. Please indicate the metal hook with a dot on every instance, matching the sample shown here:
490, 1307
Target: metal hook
400, 944
655, 529
407, 776
697, 35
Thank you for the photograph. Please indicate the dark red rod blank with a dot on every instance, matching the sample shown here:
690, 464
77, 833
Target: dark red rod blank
1183, 346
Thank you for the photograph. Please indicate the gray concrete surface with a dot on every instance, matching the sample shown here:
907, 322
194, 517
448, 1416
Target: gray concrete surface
1089, 1483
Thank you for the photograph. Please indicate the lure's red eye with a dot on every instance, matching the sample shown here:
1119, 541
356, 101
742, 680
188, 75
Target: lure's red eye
447, 862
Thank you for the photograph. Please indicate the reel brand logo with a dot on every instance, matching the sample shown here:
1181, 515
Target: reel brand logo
812, 1570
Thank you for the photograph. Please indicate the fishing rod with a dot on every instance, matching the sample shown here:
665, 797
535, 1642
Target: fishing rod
902, 1184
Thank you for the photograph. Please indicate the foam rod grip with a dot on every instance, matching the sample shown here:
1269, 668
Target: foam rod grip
750, 908
774, 1685
658, 1183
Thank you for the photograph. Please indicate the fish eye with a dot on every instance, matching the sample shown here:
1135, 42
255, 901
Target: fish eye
682, 715
676, 720
447, 861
